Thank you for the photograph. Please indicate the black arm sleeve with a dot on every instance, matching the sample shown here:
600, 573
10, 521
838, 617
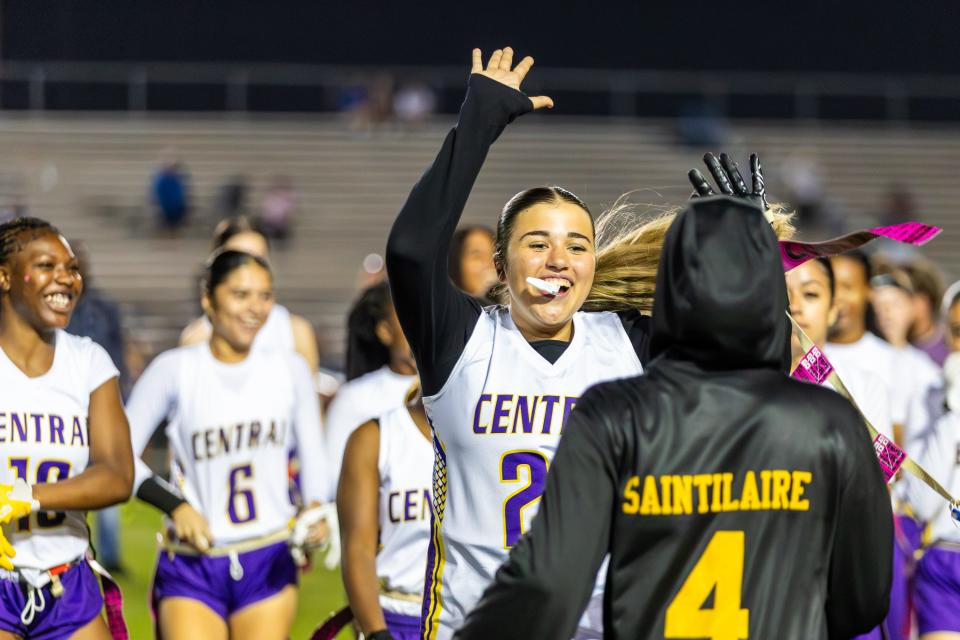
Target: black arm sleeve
437, 318
546, 584
861, 564
157, 492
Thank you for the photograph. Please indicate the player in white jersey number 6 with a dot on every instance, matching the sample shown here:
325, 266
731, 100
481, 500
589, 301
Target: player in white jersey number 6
233, 413
62, 430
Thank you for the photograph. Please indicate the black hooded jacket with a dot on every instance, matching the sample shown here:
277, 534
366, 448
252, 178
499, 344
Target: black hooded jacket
734, 502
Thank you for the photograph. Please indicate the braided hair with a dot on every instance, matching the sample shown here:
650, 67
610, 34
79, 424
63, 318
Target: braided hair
10, 232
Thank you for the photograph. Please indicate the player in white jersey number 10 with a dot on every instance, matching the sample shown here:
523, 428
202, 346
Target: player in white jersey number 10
233, 414
64, 438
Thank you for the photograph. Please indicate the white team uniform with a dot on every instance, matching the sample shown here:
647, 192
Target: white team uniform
230, 428
44, 437
938, 451
276, 332
497, 422
869, 392
908, 373
406, 471
356, 402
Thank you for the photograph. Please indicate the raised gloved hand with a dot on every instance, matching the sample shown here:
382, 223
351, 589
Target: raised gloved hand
727, 175
16, 501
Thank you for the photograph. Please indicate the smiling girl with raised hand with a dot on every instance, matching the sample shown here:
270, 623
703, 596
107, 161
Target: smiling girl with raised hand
499, 382
65, 434
233, 412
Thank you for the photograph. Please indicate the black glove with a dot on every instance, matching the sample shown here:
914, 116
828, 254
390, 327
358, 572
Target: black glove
383, 634
727, 175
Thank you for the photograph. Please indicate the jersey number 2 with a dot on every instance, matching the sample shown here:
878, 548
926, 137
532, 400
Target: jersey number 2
527, 494
719, 571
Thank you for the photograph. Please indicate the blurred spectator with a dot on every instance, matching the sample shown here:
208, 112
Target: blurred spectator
97, 317
916, 376
700, 125
950, 309
367, 103
414, 103
470, 261
927, 332
277, 210
898, 206
850, 343
232, 197
169, 192
805, 190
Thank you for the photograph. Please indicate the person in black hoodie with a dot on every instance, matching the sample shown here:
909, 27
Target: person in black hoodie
733, 501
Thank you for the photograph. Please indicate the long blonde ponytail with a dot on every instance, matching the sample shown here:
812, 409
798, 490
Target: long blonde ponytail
629, 243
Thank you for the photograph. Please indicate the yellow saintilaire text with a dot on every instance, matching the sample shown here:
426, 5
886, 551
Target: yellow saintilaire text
675, 495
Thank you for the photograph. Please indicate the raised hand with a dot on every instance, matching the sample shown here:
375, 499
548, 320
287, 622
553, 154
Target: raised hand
726, 173
500, 68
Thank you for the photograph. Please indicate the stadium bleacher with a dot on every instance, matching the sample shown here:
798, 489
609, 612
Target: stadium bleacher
89, 174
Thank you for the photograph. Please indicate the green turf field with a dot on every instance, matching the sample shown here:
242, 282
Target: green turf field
321, 591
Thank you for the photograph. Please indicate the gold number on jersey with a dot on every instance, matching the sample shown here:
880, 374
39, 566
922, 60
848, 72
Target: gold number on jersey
719, 571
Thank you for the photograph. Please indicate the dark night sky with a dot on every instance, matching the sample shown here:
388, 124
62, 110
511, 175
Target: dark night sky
880, 37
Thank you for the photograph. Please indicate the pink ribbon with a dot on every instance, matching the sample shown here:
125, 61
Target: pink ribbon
795, 254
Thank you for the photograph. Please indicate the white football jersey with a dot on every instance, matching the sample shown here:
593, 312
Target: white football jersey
938, 451
497, 422
44, 438
276, 332
230, 428
904, 374
356, 402
406, 471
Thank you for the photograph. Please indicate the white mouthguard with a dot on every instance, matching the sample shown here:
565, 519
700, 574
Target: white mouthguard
547, 287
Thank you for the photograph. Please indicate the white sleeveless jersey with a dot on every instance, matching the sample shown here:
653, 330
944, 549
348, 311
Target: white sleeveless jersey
406, 471
44, 438
230, 428
938, 451
356, 402
497, 422
276, 332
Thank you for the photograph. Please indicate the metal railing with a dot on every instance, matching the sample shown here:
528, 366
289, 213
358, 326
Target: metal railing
28, 85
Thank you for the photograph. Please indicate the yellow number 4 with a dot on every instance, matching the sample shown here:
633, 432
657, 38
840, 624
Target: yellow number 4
719, 570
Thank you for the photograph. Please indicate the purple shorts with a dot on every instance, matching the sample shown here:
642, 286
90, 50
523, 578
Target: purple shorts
906, 540
266, 572
61, 617
937, 591
402, 627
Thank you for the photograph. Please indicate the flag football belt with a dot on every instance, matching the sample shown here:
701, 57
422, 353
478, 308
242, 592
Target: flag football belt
35, 601
172, 546
402, 596
814, 367
232, 551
